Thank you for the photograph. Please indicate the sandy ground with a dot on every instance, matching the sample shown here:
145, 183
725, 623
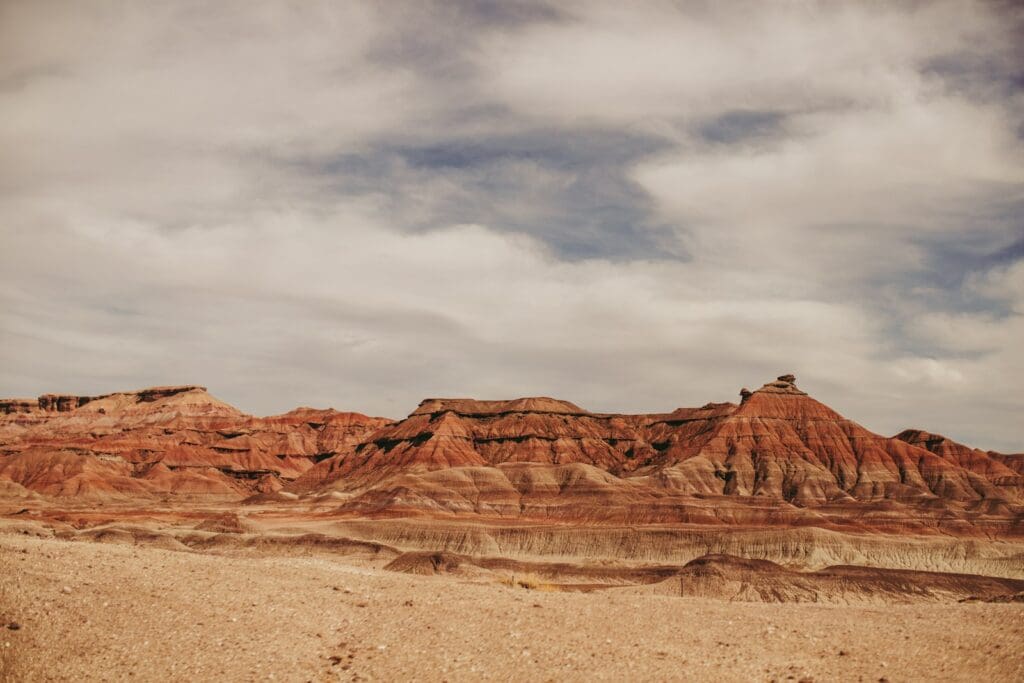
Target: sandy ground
95, 611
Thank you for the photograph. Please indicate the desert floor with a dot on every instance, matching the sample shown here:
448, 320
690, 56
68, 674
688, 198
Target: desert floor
101, 611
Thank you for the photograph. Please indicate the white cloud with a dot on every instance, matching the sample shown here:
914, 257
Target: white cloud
170, 211
668, 61
878, 165
1002, 283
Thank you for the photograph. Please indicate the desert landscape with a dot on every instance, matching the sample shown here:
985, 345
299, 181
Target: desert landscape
162, 533
512, 340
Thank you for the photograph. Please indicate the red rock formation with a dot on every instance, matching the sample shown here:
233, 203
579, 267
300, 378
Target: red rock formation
783, 444
777, 457
777, 446
162, 440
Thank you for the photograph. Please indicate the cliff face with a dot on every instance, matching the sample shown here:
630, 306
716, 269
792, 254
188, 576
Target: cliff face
776, 457
18, 405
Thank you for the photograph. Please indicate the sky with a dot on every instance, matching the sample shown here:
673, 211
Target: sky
632, 206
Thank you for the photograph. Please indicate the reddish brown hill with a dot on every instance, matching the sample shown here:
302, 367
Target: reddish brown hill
782, 443
164, 440
447, 433
779, 456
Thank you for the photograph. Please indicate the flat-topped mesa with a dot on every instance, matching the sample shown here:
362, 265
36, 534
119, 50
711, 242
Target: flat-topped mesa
470, 406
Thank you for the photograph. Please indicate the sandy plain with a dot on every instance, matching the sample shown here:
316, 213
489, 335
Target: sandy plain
94, 611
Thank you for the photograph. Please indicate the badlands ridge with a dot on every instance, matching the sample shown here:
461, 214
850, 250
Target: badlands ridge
778, 457
775, 497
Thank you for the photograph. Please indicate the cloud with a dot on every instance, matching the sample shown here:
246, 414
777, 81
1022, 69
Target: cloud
570, 189
671, 61
364, 205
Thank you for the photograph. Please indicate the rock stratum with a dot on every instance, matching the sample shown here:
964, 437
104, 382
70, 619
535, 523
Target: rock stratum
777, 457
